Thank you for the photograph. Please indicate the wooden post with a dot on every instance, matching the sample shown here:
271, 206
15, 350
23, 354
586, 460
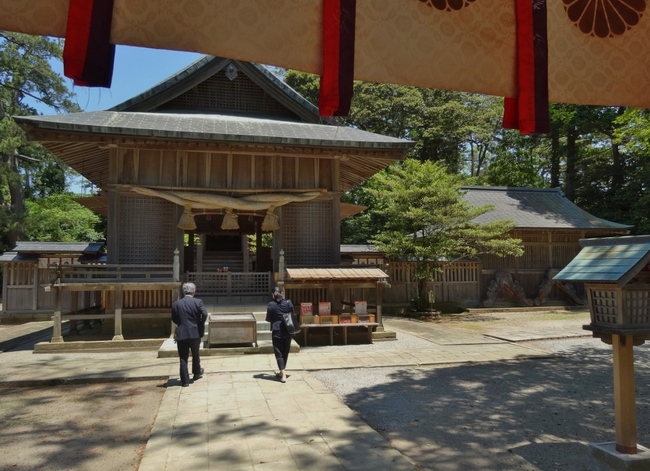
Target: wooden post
35, 288
56, 326
74, 307
281, 266
118, 313
624, 399
177, 266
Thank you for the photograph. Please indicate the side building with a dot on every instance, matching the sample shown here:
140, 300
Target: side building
550, 227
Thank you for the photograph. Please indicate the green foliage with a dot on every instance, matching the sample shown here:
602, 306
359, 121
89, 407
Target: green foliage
58, 218
597, 155
426, 219
27, 170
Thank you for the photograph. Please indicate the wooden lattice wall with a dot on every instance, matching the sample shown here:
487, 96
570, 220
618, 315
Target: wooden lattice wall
146, 230
219, 93
307, 234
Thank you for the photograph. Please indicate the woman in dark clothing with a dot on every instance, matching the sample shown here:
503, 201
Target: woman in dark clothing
279, 333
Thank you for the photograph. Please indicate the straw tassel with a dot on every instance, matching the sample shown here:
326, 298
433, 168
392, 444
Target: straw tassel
230, 221
270, 222
186, 221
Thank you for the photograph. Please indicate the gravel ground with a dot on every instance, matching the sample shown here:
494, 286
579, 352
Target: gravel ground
529, 415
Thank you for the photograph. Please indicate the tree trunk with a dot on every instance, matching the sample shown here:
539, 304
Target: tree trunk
618, 168
17, 198
555, 157
571, 163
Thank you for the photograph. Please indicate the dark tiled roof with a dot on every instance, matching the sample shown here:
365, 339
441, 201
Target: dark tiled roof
535, 208
610, 259
59, 247
209, 127
18, 257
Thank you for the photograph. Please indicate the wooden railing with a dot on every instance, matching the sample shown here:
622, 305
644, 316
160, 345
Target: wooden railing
84, 273
230, 283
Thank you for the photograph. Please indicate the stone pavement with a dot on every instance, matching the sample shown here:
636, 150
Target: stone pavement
239, 417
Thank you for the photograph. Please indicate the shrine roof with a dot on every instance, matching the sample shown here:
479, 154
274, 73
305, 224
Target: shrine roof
59, 247
535, 208
211, 127
207, 66
335, 274
608, 259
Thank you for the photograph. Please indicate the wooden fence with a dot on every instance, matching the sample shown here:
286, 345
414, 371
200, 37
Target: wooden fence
454, 282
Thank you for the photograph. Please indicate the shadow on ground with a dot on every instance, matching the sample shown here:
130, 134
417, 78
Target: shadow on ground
529, 415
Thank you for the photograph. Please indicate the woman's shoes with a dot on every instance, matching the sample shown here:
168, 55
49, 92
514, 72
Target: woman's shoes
283, 378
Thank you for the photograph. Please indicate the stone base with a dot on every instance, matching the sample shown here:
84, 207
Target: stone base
604, 457
384, 335
168, 349
98, 346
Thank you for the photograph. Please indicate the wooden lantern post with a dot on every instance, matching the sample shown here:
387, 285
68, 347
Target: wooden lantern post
624, 398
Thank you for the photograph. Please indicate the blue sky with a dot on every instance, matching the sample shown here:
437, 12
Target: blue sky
136, 70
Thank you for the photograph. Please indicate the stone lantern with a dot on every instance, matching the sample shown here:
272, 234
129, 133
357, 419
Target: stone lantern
616, 274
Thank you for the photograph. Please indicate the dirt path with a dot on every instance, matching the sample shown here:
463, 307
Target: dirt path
81, 427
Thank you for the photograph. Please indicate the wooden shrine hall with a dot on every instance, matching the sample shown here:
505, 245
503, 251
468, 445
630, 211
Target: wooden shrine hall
225, 164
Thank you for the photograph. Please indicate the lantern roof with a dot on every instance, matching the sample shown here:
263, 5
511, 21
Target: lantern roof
608, 259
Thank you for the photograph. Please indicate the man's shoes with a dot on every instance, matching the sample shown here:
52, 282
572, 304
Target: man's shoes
199, 376
185, 385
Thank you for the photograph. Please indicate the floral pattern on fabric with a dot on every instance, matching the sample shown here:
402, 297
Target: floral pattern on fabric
604, 18
448, 5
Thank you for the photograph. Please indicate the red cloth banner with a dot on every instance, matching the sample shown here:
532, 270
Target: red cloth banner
88, 56
336, 82
529, 112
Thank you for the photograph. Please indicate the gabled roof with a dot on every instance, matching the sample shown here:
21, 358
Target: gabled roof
608, 259
535, 208
205, 68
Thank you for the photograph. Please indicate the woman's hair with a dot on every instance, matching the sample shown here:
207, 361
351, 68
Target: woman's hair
277, 294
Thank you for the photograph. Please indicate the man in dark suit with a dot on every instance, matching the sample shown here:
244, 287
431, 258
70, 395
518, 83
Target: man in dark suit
189, 315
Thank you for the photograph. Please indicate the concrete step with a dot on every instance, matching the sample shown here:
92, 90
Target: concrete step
168, 349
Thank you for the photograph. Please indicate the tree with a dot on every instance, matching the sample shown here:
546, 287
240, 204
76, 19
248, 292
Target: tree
426, 220
58, 218
26, 79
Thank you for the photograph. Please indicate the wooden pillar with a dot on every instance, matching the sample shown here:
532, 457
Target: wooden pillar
199, 254
379, 319
624, 398
176, 267
74, 307
58, 307
118, 313
35, 289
